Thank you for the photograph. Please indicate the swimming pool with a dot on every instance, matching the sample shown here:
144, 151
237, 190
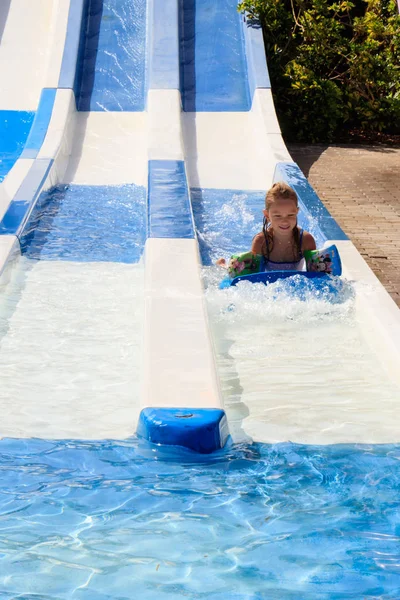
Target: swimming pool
119, 520
88, 510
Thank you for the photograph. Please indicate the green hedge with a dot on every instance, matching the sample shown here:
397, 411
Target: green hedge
334, 66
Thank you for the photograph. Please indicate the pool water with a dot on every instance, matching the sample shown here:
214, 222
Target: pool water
112, 520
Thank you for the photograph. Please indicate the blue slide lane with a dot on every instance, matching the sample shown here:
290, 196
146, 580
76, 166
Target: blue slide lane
111, 64
14, 130
169, 209
87, 224
213, 61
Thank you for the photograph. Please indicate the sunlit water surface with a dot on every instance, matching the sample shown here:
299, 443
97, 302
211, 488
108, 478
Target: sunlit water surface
119, 521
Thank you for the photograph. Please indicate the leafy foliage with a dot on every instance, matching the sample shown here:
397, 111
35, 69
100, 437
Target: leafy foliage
334, 65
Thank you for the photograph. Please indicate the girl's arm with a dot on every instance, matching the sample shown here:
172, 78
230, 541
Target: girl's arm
308, 242
256, 248
258, 243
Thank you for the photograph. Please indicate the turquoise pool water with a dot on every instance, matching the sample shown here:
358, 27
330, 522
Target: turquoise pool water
113, 520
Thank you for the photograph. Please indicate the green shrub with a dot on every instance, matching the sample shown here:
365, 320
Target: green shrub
334, 66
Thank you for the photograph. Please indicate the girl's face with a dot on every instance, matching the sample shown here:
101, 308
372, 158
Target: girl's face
282, 215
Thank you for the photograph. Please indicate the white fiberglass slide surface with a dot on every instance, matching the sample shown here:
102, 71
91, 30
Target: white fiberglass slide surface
109, 148
227, 150
25, 40
299, 370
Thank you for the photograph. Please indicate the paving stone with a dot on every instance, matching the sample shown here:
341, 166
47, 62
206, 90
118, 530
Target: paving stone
360, 186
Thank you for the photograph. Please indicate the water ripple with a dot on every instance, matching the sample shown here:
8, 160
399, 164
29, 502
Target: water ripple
128, 520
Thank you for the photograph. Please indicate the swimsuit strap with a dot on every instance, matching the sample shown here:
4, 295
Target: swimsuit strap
301, 241
264, 262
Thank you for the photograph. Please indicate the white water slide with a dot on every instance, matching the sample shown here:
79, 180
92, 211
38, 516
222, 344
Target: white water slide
145, 114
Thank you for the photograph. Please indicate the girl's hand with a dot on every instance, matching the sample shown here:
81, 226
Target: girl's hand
221, 262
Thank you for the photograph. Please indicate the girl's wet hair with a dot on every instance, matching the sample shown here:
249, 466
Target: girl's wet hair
278, 191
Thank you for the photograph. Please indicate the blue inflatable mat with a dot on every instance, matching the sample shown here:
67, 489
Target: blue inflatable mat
273, 276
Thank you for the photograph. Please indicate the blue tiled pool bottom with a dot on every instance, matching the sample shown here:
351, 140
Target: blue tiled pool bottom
120, 520
88, 224
15, 126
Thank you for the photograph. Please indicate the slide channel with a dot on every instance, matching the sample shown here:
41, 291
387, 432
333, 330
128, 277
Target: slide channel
72, 305
314, 369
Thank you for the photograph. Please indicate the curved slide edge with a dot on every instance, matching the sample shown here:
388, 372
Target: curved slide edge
47, 148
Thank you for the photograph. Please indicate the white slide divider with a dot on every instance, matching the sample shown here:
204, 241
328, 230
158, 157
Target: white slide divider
181, 399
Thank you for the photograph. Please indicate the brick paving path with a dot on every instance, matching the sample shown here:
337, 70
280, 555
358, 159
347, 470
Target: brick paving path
360, 186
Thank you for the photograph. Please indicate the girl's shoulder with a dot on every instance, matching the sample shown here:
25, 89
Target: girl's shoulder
307, 241
258, 243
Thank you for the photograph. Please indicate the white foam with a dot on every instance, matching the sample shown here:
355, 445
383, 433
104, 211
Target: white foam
299, 371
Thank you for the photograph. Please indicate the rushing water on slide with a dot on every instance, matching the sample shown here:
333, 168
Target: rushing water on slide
292, 367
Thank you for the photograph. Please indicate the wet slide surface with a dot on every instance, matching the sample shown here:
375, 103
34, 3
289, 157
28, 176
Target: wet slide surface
113, 60
98, 515
213, 62
72, 310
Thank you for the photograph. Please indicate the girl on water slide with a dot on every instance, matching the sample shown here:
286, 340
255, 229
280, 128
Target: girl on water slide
281, 244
